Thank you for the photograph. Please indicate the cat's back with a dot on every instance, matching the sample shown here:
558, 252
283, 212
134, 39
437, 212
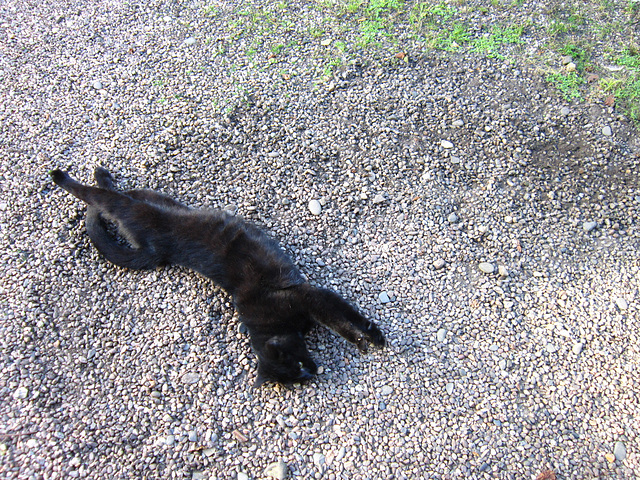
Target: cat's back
233, 252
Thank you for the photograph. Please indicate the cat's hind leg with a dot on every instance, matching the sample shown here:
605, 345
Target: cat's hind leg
118, 208
142, 258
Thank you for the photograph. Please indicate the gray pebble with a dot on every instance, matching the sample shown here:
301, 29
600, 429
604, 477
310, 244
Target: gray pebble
577, 348
606, 131
379, 198
441, 335
620, 451
193, 436
449, 388
190, 41
386, 390
242, 476
319, 459
97, 84
452, 218
384, 297
439, 264
458, 123
277, 470
565, 111
588, 226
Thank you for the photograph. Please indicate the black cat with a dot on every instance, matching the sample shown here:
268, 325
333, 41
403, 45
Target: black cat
274, 302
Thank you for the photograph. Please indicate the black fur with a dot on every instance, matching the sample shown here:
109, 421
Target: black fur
273, 300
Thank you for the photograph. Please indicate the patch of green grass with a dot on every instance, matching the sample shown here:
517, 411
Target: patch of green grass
425, 14
568, 83
453, 39
578, 54
489, 44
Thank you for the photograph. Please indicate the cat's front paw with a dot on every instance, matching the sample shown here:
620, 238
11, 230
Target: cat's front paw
370, 334
374, 335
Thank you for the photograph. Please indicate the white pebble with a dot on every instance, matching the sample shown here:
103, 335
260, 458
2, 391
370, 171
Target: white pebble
314, 207
384, 297
622, 303
441, 335
446, 144
190, 378
588, 226
487, 267
577, 348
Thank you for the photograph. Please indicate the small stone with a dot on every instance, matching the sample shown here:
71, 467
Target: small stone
190, 378
314, 207
551, 348
577, 348
383, 297
326, 42
620, 451
277, 470
588, 226
193, 436
570, 67
319, 459
622, 303
606, 131
502, 271
441, 335
32, 443
508, 219
242, 476
487, 267
20, 393
508, 304
209, 451
97, 84
439, 264
610, 457
449, 388
170, 440
74, 462
197, 476
458, 123
446, 144
386, 390
190, 41
242, 328
502, 364
379, 198
231, 209
566, 59
565, 111
453, 218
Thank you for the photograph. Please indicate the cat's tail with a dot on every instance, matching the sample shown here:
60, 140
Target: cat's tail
117, 253
107, 201
333, 311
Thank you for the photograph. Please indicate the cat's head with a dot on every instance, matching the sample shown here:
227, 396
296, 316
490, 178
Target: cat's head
284, 359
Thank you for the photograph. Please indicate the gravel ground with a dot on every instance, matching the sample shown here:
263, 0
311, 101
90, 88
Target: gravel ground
491, 228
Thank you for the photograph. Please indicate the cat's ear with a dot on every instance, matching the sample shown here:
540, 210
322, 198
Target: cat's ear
261, 380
